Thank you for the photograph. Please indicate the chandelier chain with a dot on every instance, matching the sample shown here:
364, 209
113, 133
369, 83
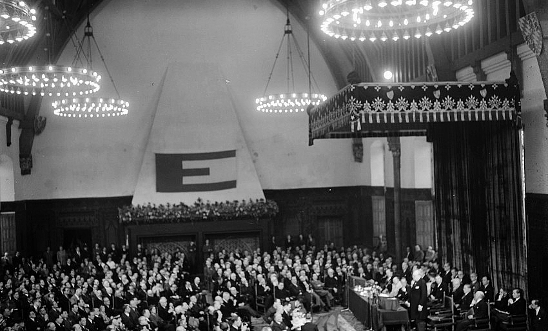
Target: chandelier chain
106, 67
274, 65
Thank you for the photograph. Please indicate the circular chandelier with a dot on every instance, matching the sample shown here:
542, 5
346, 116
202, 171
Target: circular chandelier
393, 19
288, 103
49, 80
90, 107
17, 21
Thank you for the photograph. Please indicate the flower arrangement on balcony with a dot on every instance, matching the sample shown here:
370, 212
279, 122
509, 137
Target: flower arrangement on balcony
199, 211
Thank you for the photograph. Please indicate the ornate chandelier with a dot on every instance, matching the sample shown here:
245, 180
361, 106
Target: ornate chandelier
17, 21
91, 107
49, 80
393, 19
293, 102
290, 102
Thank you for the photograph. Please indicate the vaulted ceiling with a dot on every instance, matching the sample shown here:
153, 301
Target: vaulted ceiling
493, 30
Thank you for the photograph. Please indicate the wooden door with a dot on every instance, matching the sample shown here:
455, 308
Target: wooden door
330, 230
379, 218
8, 241
424, 223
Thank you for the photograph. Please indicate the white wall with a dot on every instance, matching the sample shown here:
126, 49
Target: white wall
138, 40
9, 160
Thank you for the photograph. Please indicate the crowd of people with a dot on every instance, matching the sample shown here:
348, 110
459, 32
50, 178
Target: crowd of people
108, 288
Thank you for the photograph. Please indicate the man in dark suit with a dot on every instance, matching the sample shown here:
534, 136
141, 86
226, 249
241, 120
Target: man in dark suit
31, 323
517, 304
487, 289
539, 318
516, 307
418, 300
480, 310
457, 291
467, 299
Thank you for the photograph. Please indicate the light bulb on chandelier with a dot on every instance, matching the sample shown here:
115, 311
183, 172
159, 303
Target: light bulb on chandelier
17, 21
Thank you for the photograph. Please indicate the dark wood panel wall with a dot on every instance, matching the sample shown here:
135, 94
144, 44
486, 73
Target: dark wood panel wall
536, 206
43, 223
352, 205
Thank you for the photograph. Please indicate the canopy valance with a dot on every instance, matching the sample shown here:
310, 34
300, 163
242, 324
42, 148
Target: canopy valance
365, 109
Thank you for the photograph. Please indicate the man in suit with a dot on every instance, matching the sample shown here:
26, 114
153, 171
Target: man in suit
516, 307
480, 310
418, 300
517, 304
457, 291
467, 299
487, 289
539, 318
31, 323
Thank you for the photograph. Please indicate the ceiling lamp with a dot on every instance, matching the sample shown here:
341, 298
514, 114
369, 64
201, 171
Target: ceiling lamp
91, 107
16, 21
380, 18
292, 102
49, 80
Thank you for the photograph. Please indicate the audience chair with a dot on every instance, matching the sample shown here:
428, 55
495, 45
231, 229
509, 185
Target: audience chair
483, 324
515, 323
443, 319
260, 301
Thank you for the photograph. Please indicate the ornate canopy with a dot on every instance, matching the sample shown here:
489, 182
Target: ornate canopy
366, 110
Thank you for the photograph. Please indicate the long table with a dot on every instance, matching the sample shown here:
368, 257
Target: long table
372, 315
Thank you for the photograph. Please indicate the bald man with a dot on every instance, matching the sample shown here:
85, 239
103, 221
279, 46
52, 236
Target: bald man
418, 299
480, 311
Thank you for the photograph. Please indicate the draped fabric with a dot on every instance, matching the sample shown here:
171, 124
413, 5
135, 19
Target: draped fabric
478, 198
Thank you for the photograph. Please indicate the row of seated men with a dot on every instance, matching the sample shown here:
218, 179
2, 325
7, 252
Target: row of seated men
153, 292
142, 294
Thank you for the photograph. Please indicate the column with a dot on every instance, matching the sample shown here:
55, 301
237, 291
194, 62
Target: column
395, 147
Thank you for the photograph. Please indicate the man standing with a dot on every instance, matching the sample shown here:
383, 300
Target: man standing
418, 299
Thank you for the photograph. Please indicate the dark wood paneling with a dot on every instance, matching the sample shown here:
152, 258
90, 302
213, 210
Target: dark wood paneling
42, 223
536, 206
352, 204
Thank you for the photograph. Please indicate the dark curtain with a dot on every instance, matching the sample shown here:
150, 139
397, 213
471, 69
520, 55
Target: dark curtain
478, 199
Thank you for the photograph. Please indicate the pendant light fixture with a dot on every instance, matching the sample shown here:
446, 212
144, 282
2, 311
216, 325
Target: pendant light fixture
291, 101
92, 107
